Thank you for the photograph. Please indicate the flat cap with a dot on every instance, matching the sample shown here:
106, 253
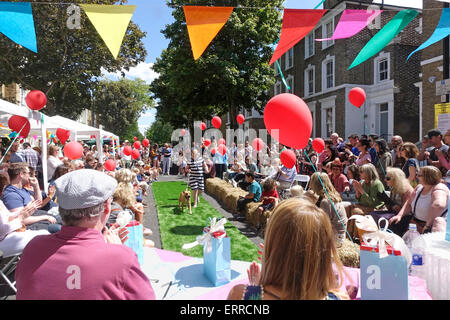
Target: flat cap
84, 188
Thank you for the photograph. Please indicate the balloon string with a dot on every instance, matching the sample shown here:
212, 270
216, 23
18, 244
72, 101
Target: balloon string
319, 4
329, 198
14, 140
282, 76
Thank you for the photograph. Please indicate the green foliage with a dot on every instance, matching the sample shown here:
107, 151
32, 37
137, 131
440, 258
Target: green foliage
68, 61
118, 105
133, 131
233, 72
159, 132
178, 228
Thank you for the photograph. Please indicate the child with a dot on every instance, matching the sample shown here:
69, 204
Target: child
269, 199
253, 196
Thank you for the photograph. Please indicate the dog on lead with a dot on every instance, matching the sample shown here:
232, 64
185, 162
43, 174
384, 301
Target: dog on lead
185, 199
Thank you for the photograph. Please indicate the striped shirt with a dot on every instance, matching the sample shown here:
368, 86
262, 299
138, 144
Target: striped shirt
196, 179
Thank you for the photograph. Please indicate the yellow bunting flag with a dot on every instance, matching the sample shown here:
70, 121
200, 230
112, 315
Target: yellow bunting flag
203, 24
111, 22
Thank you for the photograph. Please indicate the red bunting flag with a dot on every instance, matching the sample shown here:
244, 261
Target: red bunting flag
297, 23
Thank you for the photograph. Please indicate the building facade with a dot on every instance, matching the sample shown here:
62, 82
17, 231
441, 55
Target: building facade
317, 72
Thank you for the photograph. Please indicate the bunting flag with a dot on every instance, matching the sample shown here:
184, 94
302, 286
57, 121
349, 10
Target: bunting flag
16, 22
203, 24
352, 22
297, 23
442, 31
111, 22
385, 35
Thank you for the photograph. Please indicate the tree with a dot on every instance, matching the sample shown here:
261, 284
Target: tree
159, 132
133, 131
233, 72
68, 61
118, 105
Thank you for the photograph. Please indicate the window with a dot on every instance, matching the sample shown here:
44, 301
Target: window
327, 32
309, 80
309, 45
328, 114
384, 120
330, 74
328, 78
277, 88
383, 70
289, 58
275, 65
290, 83
329, 121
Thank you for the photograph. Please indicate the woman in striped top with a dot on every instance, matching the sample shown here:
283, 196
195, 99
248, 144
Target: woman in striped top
196, 167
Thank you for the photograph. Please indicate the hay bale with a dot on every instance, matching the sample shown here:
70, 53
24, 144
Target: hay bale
251, 213
349, 254
232, 198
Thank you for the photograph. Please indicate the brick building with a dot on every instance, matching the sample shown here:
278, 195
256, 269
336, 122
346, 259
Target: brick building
317, 72
431, 66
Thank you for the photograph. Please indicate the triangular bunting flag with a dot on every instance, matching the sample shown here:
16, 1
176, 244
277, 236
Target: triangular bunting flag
442, 31
385, 35
297, 23
352, 22
16, 22
203, 24
111, 22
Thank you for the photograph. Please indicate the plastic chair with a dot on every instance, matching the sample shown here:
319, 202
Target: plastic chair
301, 178
7, 267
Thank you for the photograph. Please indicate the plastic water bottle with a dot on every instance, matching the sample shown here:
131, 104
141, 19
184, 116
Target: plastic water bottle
416, 245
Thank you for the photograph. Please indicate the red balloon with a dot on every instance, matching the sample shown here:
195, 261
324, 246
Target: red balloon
213, 151
16, 123
110, 165
288, 158
357, 97
73, 150
146, 142
258, 144
222, 149
137, 145
288, 120
203, 126
127, 151
222, 141
183, 132
207, 142
240, 118
318, 145
36, 100
135, 154
135, 138
63, 135
216, 122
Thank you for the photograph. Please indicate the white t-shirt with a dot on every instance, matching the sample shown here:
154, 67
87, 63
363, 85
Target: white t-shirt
52, 164
422, 205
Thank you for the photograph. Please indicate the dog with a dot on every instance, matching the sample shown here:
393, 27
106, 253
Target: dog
185, 198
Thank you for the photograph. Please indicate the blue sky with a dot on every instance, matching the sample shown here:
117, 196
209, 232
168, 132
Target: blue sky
153, 15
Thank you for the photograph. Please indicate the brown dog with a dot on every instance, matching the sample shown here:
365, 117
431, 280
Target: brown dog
185, 198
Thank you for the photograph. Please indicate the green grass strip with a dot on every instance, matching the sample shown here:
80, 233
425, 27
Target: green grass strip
178, 228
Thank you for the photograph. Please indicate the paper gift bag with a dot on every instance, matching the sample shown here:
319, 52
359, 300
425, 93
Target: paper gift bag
383, 278
217, 262
447, 234
135, 239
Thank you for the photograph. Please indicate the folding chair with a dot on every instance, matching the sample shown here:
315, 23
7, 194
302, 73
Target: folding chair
7, 267
301, 178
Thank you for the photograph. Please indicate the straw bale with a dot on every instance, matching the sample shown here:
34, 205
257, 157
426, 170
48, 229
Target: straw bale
349, 254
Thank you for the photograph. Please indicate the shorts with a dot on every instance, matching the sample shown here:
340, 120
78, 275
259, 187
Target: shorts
267, 207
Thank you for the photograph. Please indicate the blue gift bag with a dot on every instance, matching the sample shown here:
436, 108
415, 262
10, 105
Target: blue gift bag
135, 239
447, 234
217, 262
383, 278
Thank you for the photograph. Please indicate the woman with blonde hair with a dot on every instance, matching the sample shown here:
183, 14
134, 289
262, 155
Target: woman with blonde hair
299, 258
428, 202
338, 219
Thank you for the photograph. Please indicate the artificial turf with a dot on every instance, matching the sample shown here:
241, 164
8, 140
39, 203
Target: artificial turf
178, 228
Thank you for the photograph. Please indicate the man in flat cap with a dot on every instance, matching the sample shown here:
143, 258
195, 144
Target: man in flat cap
85, 260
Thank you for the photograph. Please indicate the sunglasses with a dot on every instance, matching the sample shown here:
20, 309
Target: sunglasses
387, 178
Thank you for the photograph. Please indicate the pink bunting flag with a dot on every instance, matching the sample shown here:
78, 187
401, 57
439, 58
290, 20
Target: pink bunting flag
352, 22
297, 23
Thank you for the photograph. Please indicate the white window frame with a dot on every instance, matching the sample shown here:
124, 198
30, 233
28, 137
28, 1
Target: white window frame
324, 73
376, 67
325, 104
307, 70
278, 83
312, 108
307, 47
289, 78
328, 43
379, 119
287, 64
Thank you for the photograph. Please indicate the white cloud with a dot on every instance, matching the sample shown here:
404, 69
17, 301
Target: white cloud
142, 71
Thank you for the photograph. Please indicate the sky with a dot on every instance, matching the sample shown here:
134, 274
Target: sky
153, 15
